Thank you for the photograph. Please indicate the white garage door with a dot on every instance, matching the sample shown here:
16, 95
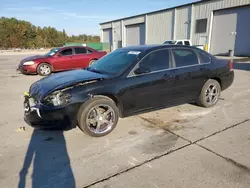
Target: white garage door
135, 35
107, 35
242, 43
230, 31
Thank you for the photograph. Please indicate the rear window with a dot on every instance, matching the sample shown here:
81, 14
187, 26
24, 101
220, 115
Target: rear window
204, 58
184, 57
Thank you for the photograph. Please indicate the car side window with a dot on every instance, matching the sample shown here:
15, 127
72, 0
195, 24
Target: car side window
158, 60
66, 52
204, 58
187, 43
180, 42
184, 57
80, 51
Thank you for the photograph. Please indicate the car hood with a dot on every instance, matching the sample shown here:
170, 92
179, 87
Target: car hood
31, 58
62, 80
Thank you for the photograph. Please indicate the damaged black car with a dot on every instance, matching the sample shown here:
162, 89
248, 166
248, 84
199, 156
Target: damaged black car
126, 82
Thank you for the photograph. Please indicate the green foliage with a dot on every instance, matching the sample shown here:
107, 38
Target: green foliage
22, 34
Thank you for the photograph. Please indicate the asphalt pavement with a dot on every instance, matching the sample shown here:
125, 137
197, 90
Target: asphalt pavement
180, 147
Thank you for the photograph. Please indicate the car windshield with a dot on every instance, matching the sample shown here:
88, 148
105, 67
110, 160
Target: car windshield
115, 62
169, 42
51, 52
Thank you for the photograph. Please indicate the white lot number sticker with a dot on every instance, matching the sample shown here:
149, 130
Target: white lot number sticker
134, 52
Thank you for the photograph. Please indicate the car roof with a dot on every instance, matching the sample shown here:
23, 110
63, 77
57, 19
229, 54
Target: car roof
73, 47
154, 47
64, 47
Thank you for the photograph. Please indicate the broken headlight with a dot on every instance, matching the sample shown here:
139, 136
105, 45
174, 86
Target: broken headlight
57, 98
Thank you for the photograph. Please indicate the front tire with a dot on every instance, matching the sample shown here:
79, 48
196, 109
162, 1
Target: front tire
98, 116
210, 94
44, 69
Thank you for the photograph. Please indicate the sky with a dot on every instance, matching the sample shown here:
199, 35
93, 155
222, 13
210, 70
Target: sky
80, 16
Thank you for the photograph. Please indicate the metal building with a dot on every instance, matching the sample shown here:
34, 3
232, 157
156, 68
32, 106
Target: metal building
221, 24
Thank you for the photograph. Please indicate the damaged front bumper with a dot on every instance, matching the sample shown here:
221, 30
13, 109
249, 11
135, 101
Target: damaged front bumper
44, 117
27, 69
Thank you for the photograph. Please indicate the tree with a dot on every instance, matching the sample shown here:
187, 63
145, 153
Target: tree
64, 36
39, 37
22, 34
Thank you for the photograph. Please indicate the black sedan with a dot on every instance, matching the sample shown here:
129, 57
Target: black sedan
126, 82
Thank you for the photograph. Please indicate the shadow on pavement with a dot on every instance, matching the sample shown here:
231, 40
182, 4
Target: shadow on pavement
242, 64
51, 164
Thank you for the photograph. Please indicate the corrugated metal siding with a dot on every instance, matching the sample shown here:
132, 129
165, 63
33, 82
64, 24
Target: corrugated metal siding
135, 20
204, 10
117, 29
106, 26
183, 16
123, 30
159, 27
117, 34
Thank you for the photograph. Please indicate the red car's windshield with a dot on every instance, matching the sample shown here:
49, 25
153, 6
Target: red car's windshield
51, 52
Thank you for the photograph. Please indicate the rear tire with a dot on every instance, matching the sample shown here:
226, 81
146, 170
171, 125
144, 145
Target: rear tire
44, 69
98, 116
209, 94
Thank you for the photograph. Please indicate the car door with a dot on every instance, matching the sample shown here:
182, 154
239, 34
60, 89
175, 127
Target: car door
189, 74
63, 60
81, 57
149, 83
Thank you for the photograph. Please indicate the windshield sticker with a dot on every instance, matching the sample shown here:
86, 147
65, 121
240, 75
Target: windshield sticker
134, 52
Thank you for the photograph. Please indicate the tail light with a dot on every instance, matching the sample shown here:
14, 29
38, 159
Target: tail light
231, 64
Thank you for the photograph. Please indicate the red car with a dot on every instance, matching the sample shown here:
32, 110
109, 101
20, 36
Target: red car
60, 59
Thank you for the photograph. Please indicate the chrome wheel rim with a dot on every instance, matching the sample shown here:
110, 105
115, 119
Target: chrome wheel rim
212, 94
100, 119
45, 69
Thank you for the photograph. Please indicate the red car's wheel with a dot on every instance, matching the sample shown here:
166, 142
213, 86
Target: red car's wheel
44, 69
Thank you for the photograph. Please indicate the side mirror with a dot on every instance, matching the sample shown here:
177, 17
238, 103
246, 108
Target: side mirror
59, 55
141, 70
